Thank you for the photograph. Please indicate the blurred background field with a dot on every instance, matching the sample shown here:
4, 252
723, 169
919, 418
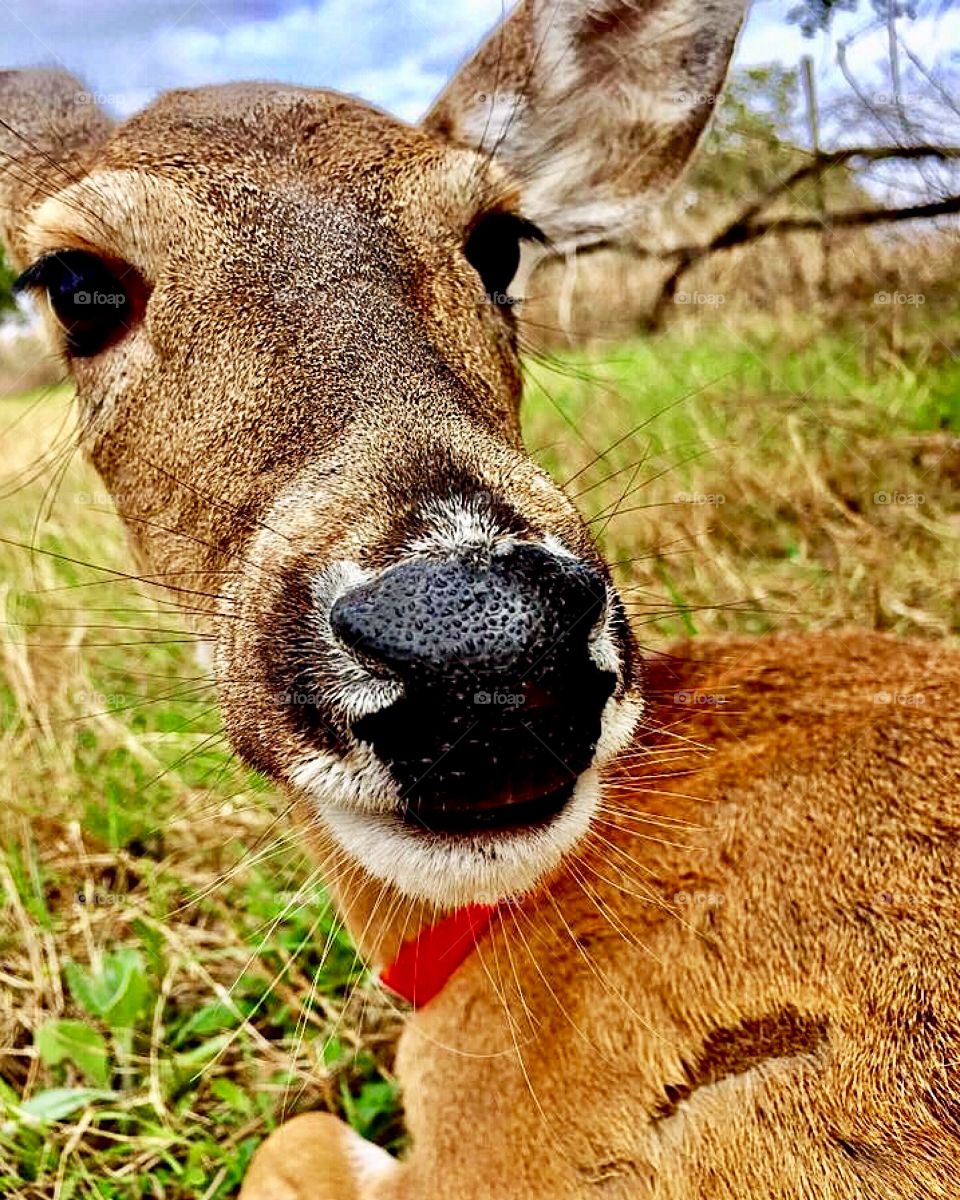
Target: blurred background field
767, 439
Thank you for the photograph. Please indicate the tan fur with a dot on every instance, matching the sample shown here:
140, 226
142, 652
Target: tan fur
740, 984
744, 986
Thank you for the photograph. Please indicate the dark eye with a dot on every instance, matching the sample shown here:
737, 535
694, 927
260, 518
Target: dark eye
493, 250
87, 296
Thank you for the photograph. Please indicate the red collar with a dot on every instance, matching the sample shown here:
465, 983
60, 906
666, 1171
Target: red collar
425, 963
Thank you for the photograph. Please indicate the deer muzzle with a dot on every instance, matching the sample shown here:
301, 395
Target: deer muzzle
500, 693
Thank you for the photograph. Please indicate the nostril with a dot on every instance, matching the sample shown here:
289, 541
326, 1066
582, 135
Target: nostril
374, 632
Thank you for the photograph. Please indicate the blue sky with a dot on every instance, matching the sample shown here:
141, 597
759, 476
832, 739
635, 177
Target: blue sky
394, 54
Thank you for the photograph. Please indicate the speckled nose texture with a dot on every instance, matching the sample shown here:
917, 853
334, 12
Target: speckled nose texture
502, 702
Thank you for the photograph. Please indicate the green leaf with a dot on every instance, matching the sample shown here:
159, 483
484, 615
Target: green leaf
78, 1043
375, 1103
116, 992
184, 1069
56, 1104
232, 1095
191, 1060
332, 1052
152, 943
211, 1018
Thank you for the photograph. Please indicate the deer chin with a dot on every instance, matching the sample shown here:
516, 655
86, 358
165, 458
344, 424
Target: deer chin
472, 858
449, 869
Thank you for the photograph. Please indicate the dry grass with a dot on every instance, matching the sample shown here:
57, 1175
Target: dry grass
778, 478
747, 497
609, 295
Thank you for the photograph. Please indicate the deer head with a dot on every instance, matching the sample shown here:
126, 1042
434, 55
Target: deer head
290, 322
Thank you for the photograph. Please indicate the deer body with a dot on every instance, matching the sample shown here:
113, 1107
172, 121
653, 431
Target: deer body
723, 945
744, 985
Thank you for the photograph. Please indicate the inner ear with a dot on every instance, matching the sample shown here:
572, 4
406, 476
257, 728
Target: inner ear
594, 107
50, 130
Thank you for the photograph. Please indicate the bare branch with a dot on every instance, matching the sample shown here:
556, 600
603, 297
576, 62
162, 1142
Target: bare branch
747, 228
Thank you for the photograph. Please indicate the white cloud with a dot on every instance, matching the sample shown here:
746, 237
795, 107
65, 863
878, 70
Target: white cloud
397, 55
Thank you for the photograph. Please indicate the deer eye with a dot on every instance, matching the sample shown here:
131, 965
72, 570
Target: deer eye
86, 295
493, 249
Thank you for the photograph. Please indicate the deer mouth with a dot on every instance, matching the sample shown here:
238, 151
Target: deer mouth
448, 857
500, 816
469, 768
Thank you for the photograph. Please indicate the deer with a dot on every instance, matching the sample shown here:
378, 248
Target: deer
678, 926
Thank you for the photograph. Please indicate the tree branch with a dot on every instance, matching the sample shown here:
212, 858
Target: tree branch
746, 228
739, 233
857, 218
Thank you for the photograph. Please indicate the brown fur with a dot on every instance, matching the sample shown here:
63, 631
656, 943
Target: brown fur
741, 982
743, 987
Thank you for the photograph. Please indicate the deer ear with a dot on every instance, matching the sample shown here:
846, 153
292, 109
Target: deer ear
593, 107
49, 128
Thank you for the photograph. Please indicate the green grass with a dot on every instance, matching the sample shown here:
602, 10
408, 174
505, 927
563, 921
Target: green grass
172, 981
791, 479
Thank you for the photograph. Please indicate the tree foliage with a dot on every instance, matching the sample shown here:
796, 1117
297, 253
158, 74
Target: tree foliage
754, 145
815, 15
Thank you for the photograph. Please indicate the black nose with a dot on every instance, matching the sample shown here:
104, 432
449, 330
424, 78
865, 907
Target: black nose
502, 700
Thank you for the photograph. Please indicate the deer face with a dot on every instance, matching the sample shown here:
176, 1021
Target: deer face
290, 322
